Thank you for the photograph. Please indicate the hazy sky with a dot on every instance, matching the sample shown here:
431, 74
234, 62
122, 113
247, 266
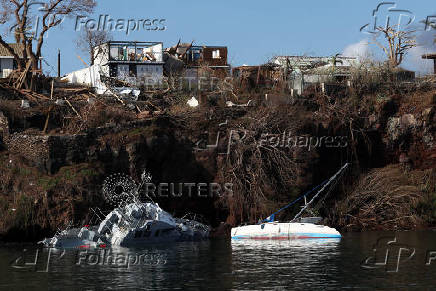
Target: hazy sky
252, 30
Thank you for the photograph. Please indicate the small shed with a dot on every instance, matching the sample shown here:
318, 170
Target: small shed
7, 62
431, 57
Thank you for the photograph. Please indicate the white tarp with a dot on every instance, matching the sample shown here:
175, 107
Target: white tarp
89, 76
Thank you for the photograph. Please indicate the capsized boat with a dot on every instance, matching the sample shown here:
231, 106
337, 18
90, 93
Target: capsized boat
297, 228
134, 224
130, 223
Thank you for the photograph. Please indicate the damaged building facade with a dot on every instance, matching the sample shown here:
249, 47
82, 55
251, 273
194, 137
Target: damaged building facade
302, 72
136, 63
147, 63
7, 62
431, 57
131, 61
264, 76
196, 62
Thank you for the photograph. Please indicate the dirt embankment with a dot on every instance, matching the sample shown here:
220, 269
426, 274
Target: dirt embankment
270, 153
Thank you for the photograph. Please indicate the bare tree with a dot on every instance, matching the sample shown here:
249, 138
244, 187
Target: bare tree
90, 39
19, 17
398, 43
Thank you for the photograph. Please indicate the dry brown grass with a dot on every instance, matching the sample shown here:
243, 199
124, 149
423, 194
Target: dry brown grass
418, 101
260, 174
99, 114
385, 198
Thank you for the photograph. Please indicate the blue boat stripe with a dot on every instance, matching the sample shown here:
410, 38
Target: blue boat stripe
320, 235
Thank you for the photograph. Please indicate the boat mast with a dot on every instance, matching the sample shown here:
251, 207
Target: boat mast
322, 189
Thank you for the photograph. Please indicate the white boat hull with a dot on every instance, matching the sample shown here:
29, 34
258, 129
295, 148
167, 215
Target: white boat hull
283, 230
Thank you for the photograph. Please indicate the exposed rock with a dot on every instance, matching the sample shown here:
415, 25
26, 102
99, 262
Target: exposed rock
394, 128
60, 102
408, 121
25, 104
4, 127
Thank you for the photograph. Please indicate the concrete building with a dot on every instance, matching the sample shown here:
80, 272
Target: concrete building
131, 61
137, 63
197, 61
304, 71
264, 76
431, 57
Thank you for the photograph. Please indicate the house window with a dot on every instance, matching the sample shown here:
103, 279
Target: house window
113, 70
216, 54
132, 70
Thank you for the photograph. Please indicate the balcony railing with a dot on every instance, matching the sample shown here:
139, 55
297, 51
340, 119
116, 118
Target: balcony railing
143, 52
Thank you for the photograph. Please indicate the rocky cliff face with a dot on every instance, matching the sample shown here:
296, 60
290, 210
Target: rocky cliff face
51, 179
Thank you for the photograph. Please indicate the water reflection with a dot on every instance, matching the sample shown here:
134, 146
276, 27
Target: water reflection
181, 266
247, 244
314, 264
288, 263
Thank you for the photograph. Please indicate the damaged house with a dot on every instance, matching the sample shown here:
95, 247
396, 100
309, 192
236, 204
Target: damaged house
195, 62
302, 72
136, 63
431, 57
131, 60
7, 62
263, 76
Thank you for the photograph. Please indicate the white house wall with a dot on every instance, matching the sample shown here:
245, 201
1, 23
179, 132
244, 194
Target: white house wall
157, 51
7, 66
89, 77
101, 54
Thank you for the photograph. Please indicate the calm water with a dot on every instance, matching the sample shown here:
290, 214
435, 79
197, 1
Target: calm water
224, 265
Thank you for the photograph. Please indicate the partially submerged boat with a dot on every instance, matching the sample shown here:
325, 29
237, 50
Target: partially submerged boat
297, 228
135, 224
130, 223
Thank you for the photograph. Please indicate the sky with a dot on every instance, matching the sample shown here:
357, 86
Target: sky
253, 31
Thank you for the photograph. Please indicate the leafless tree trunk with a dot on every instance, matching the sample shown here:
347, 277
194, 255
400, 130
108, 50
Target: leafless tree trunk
398, 43
18, 16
